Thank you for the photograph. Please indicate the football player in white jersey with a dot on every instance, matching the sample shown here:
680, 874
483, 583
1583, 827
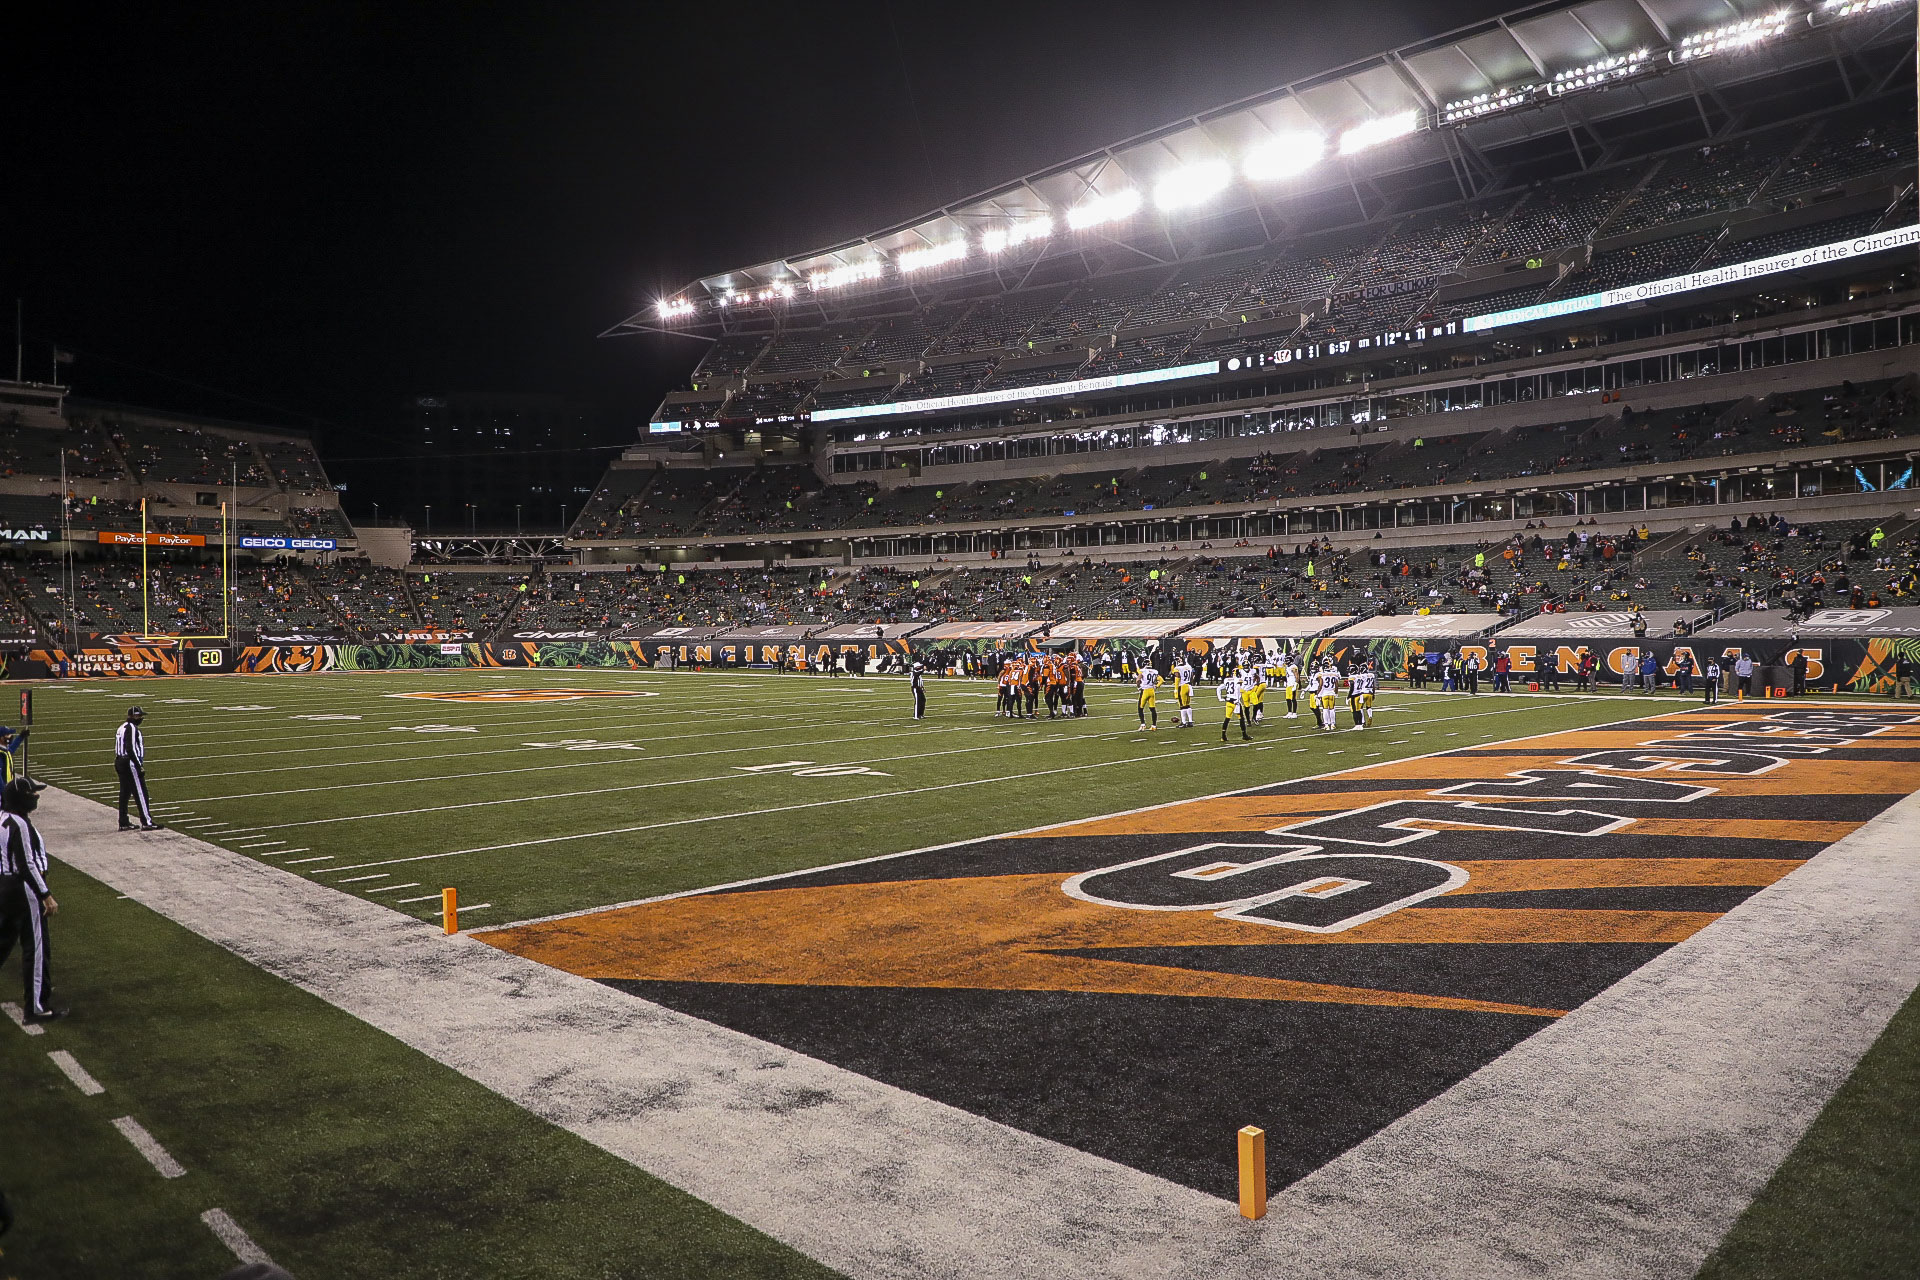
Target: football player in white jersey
1149, 697
1229, 695
1360, 695
1326, 689
1290, 672
1183, 691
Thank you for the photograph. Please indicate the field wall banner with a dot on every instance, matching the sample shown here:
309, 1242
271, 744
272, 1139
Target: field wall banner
1871, 664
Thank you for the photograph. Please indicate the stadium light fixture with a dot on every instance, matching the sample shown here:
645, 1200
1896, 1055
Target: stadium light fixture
1104, 209
932, 256
838, 277
1016, 234
775, 292
1284, 156
1848, 8
1192, 184
674, 308
1598, 72
1461, 110
1731, 38
1375, 132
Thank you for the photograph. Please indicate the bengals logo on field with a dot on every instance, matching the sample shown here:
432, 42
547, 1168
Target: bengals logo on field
1445, 870
522, 695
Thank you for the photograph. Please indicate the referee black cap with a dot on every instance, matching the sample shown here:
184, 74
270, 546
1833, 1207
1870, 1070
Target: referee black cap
19, 797
135, 713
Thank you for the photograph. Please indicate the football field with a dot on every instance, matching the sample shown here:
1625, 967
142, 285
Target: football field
1018, 982
541, 792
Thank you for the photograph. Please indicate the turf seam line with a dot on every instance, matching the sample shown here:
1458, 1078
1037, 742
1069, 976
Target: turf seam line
143, 1142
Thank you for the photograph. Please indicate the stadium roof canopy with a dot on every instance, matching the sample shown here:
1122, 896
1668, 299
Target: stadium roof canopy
1554, 68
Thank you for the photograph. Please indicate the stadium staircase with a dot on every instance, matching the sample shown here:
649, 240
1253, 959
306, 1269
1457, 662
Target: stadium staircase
1665, 546
1899, 528
303, 575
718, 504
127, 469
260, 461
501, 626
413, 605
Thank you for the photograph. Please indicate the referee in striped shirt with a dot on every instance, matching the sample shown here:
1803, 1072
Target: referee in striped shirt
25, 899
130, 762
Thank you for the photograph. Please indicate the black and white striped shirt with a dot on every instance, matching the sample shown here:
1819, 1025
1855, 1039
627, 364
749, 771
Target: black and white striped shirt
23, 852
128, 744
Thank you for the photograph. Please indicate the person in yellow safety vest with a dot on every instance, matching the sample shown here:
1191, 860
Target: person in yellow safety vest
1878, 536
1309, 568
1479, 559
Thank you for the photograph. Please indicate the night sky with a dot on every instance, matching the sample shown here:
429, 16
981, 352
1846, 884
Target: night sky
305, 214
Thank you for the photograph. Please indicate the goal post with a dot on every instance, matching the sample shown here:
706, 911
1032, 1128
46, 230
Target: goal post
149, 634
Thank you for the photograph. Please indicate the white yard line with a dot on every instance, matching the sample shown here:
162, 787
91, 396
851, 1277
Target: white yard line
18, 1017
730, 776
379, 733
1620, 1141
748, 813
1005, 835
380, 875
325, 857
588, 760
73, 1071
475, 804
391, 888
238, 1242
163, 1164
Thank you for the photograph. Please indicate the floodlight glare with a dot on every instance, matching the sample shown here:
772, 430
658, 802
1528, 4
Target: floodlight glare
1375, 132
1192, 184
1102, 209
850, 273
674, 309
932, 256
1486, 104
1847, 8
1731, 38
1284, 156
1598, 72
1016, 234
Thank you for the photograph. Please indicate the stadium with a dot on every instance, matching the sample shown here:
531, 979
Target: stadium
813, 854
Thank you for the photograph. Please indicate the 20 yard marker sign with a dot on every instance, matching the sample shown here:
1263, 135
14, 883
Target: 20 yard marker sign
1315, 958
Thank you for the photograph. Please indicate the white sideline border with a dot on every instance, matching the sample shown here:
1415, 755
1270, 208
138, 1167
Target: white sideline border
1620, 1142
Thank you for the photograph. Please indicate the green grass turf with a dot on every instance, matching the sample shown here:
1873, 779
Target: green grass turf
338, 1149
432, 793
343, 1152
1846, 1204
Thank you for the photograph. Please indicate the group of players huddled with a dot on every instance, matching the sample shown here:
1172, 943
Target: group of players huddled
1243, 693
1057, 678
1060, 682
